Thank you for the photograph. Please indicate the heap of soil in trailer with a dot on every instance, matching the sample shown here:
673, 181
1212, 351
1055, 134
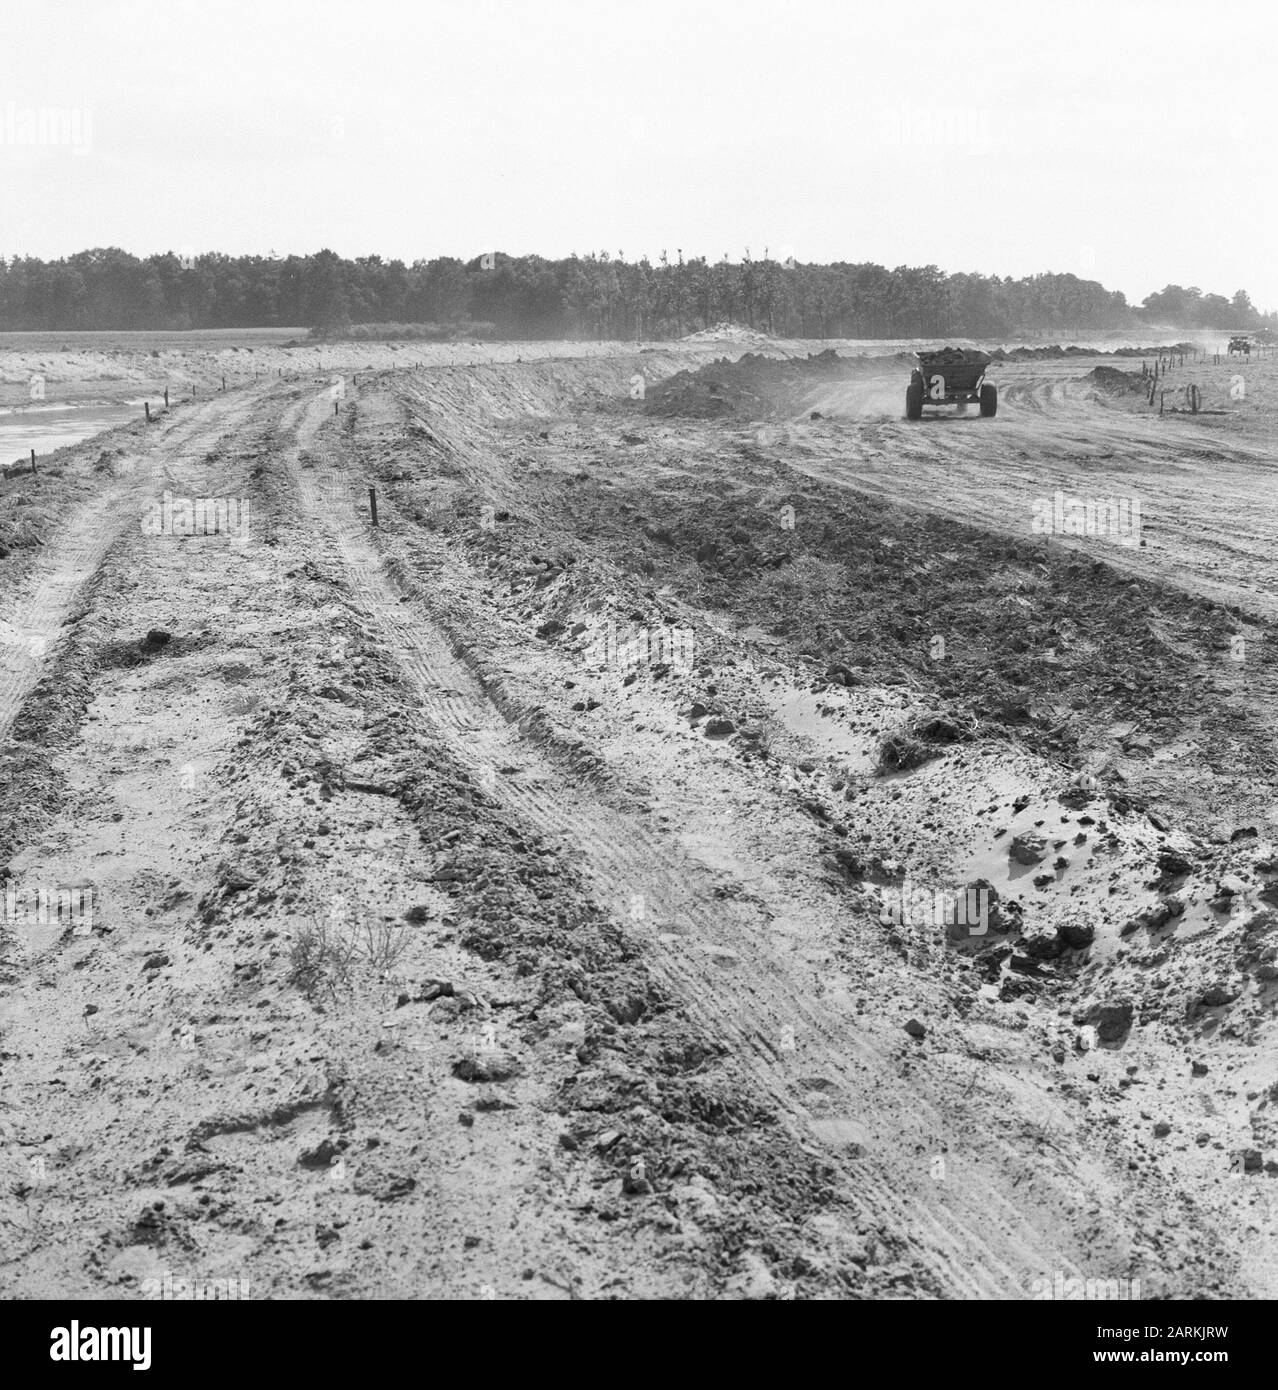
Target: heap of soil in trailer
952, 356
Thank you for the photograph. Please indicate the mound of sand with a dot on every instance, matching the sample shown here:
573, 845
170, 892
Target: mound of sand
753, 385
1055, 351
728, 333
1116, 382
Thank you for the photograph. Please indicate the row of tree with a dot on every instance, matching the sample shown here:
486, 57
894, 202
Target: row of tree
592, 296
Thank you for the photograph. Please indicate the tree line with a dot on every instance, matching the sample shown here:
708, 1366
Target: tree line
598, 295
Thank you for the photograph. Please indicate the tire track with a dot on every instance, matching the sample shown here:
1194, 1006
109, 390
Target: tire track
970, 1251
1207, 498
35, 616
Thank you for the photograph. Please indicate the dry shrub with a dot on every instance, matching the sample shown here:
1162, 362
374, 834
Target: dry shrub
324, 953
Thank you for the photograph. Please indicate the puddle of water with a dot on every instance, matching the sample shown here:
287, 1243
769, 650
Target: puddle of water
46, 428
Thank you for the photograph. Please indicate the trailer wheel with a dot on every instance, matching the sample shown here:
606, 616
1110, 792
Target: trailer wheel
914, 399
989, 401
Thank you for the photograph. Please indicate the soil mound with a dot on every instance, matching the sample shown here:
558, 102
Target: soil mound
1115, 381
1055, 352
753, 385
950, 356
728, 333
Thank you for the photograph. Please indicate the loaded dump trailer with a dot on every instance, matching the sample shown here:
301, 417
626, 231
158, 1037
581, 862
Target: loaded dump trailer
950, 376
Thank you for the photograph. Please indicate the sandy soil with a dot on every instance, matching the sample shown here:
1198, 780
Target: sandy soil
95, 366
521, 898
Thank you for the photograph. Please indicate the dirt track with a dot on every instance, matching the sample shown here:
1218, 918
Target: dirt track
1209, 504
626, 1015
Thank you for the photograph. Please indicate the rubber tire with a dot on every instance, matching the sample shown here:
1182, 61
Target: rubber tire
914, 400
989, 401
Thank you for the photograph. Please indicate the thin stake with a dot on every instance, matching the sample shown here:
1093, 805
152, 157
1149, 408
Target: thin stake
372, 502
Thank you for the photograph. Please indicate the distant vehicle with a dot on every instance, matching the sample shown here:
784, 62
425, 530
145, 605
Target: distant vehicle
950, 376
1240, 345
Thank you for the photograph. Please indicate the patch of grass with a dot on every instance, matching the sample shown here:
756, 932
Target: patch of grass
382, 944
320, 959
324, 954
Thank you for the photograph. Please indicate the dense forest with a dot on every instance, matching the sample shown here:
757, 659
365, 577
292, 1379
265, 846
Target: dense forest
591, 296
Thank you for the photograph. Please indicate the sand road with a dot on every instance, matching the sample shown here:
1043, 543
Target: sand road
438, 952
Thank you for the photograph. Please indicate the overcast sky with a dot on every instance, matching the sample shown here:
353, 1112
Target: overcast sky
1126, 141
